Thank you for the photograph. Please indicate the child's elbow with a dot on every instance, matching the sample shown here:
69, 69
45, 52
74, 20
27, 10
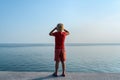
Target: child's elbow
68, 33
50, 34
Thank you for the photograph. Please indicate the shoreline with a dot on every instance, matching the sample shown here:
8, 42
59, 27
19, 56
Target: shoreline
12, 75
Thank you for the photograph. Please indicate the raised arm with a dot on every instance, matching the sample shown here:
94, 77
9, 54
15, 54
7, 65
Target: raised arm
66, 31
52, 31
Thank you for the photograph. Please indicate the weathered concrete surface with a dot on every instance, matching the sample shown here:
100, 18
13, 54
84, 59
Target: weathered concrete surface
4, 75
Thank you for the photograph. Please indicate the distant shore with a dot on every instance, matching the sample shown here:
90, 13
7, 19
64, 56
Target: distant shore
9, 75
52, 44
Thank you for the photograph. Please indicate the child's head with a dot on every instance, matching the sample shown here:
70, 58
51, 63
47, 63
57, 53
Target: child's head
60, 27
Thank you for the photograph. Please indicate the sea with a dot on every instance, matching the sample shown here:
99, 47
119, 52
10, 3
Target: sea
81, 57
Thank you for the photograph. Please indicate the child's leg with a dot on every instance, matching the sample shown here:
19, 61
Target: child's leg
63, 67
56, 67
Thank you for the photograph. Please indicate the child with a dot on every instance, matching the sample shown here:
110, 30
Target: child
60, 54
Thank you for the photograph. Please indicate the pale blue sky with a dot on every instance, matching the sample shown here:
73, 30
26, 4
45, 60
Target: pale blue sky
31, 21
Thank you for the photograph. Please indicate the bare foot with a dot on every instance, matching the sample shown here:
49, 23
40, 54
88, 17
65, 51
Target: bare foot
55, 75
63, 75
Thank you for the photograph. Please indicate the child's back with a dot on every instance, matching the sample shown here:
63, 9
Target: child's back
59, 40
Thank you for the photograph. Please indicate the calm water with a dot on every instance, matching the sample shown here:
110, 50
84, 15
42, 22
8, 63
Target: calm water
80, 58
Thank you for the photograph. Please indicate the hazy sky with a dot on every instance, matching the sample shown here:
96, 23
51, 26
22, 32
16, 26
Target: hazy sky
31, 21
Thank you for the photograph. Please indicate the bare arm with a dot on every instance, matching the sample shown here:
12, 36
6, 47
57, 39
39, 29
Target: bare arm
66, 31
52, 31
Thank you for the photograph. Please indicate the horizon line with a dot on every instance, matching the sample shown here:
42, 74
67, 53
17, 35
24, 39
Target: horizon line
65, 43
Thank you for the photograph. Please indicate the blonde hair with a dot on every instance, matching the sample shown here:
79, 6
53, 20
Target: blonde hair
60, 27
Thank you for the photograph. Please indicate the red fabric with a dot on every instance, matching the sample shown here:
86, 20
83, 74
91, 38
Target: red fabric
59, 39
60, 55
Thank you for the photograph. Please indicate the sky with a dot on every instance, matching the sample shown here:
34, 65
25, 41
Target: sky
88, 21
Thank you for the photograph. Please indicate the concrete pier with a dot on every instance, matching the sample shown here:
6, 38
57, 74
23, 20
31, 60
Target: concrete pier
9, 75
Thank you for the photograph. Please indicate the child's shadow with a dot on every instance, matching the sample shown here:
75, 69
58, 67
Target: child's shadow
46, 77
